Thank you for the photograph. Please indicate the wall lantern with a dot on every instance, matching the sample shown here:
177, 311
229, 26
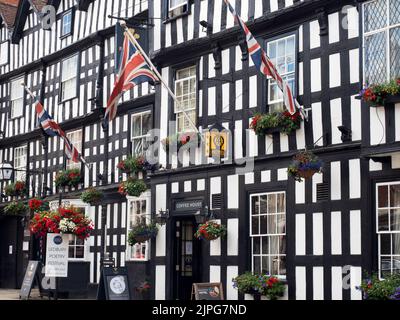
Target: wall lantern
6, 171
202, 216
162, 217
216, 141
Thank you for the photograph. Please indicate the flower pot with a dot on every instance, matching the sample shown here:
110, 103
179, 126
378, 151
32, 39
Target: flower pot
210, 237
142, 238
306, 174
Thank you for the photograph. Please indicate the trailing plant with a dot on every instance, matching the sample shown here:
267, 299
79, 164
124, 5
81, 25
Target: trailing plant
132, 164
16, 208
70, 177
92, 196
376, 94
38, 205
15, 189
269, 286
132, 187
142, 232
210, 231
181, 139
305, 165
386, 289
282, 121
69, 220
144, 287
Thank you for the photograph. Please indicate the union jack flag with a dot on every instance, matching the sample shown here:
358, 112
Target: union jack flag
52, 129
131, 69
264, 63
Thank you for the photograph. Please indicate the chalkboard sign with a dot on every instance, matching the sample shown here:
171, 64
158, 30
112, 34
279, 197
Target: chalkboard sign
114, 284
207, 291
31, 274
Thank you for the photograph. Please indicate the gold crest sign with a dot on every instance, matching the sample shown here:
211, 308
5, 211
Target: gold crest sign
216, 143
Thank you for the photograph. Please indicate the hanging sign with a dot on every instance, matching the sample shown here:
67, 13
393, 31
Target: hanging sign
216, 144
57, 255
207, 291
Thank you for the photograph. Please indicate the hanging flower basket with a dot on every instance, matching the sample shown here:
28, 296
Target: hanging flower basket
210, 231
269, 123
189, 139
132, 187
132, 164
69, 220
70, 177
377, 95
92, 196
305, 165
15, 189
38, 205
15, 208
142, 232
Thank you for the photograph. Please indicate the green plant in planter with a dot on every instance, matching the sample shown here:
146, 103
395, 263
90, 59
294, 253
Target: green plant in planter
284, 121
375, 95
16, 208
132, 187
92, 196
15, 189
271, 287
142, 232
132, 164
210, 231
247, 283
386, 289
70, 177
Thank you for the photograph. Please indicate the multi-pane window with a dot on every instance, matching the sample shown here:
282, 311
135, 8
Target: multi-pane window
268, 233
282, 53
76, 247
141, 125
17, 98
177, 8
20, 162
4, 53
186, 93
66, 24
139, 211
388, 227
76, 139
69, 78
381, 40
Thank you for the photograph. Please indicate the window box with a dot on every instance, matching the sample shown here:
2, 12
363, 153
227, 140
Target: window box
380, 95
269, 123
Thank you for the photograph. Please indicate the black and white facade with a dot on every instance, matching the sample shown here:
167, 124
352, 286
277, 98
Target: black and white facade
320, 235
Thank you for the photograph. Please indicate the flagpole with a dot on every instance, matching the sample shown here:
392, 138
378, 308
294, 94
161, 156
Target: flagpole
34, 97
154, 69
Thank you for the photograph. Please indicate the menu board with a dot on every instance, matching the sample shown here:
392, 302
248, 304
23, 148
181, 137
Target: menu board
30, 275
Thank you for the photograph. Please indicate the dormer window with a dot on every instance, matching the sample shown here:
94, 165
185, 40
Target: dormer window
177, 8
66, 24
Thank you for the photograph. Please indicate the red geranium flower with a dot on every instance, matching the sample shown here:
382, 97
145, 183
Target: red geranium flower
35, 204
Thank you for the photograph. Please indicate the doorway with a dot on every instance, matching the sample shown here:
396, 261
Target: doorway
187, 254
11, 258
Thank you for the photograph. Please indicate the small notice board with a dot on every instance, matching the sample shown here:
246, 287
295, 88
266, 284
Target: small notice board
31, 275
114, 284
207, 291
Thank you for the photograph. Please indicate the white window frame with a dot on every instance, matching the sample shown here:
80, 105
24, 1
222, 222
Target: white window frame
270, 80
185, 2
378, 232
385, 29
145, 196
4, 53
171, 10
20, 98
78, 145
22, 158
179, 114
142, 136
77, 203
63, 80
63, 24
258, 236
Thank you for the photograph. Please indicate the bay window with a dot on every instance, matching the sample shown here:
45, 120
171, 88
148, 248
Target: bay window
268, 233
388, 227
69, 78
186, 93
282, 53
381, 37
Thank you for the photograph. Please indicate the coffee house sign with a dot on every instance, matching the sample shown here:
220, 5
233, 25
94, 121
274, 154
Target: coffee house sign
191, 205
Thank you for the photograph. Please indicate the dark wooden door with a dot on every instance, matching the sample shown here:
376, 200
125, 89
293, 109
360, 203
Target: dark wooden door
11, 234
186, 257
